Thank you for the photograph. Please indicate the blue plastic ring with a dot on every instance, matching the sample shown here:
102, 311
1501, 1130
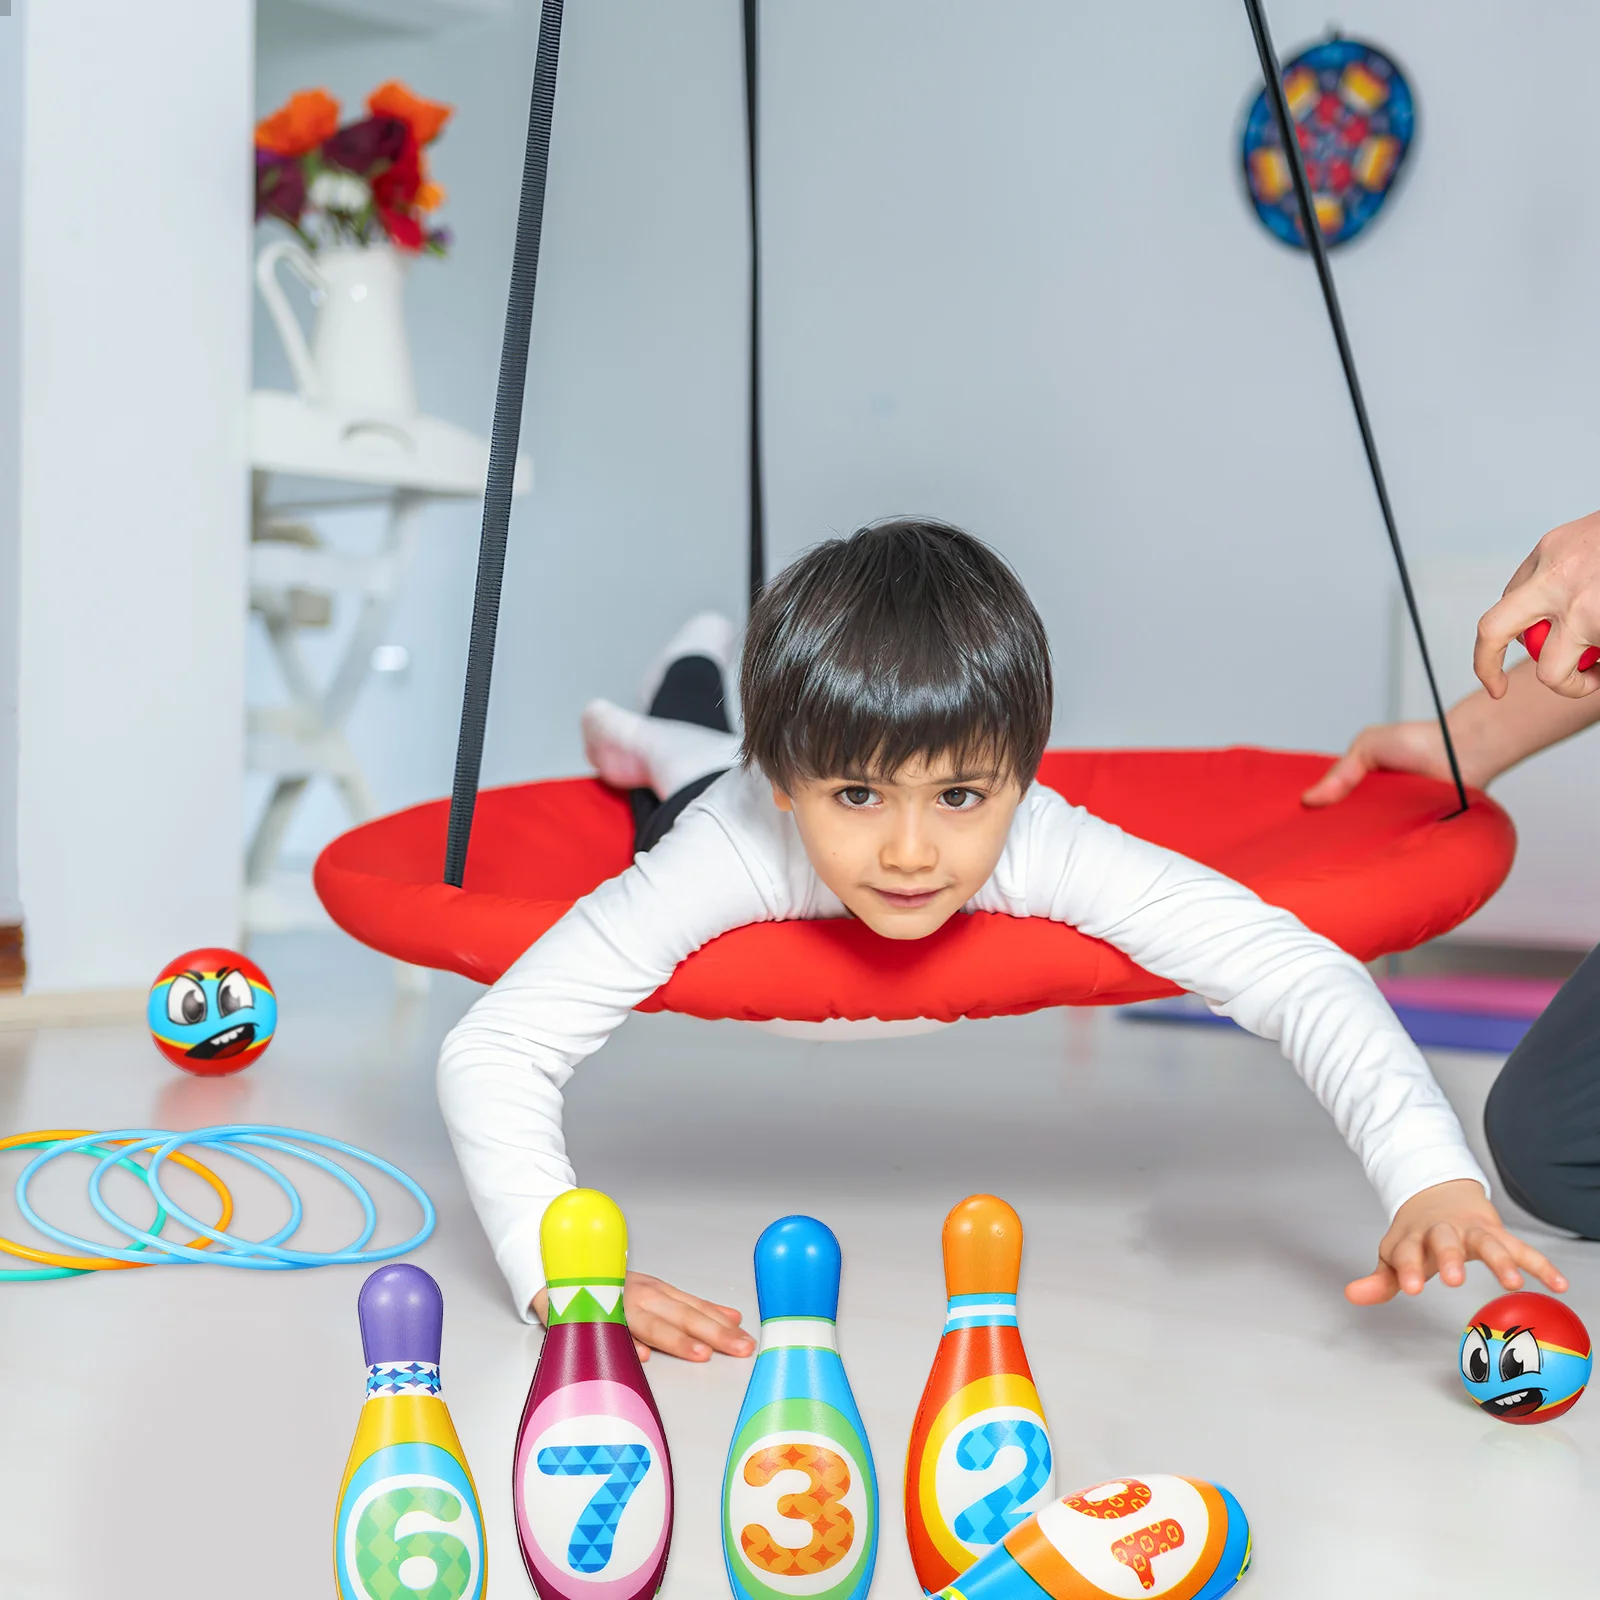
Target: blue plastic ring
53, 1274
270, 1136
177, 1253
242, 1253
273, 1248
86, 1142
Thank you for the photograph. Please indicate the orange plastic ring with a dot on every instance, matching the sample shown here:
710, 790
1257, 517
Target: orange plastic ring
49, 1258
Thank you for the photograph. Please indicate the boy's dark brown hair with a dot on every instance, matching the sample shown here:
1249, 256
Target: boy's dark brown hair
909, 638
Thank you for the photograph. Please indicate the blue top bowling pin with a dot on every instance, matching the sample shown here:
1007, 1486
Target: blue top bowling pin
800, 1494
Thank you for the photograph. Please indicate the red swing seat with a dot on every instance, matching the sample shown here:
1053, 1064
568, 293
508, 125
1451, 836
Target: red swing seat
1386, 870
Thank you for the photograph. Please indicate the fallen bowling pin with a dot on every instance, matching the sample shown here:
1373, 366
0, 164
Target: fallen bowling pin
408, 1523
980, 1461
1149, 1538
591, 1480
800, 1493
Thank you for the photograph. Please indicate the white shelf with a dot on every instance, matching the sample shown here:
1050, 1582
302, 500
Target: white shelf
409, 16
421, 453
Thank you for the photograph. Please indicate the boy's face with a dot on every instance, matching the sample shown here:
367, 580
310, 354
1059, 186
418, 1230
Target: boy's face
905, 853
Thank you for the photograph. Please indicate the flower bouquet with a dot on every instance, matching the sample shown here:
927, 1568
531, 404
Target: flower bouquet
358, 185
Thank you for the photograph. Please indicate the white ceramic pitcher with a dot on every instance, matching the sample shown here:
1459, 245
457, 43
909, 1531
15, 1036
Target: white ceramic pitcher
359, 356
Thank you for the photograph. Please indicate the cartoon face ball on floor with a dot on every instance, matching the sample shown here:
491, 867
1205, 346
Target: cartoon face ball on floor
1525, 1358
212, 1012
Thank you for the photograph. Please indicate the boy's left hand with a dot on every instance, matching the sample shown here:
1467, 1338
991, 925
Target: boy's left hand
1440, 1230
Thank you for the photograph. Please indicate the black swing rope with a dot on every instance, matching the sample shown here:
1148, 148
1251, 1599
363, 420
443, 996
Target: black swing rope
507, 428
752, 126
1273, 74
506, 431
503, 441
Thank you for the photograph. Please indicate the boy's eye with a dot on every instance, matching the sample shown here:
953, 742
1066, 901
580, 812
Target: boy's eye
960, 799
856, 796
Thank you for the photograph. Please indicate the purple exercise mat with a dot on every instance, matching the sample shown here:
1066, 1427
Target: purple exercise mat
1446, 1012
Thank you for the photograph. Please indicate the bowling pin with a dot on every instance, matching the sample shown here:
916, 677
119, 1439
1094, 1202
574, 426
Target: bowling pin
1159, 1537
409, 1522
591, 1481
979, 1461
800, 1493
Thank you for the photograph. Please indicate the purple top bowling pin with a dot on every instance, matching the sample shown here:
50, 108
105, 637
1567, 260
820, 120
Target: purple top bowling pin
402, 1327
408, 1518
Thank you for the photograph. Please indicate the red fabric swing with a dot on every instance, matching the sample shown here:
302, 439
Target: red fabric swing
1387, 869
1401, 861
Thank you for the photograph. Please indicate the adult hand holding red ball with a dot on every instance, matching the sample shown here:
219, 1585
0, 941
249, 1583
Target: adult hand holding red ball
1533, 637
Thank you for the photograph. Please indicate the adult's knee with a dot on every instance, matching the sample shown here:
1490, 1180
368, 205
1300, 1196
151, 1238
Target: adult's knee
1543, 1137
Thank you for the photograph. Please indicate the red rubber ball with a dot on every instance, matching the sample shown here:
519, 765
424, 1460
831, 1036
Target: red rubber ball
1534, 636
1525, 1358
212, 1012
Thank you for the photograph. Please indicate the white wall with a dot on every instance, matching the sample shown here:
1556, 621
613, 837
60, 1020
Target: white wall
635, 396
1013, 281
11, 83
133, 488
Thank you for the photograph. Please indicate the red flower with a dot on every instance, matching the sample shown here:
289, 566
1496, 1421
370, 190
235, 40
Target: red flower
403, 229
425, 118
309, 117
280, 187
363, 145
395, 188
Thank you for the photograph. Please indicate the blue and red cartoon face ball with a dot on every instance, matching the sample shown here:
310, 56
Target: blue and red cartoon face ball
212, 1012
1525, 1358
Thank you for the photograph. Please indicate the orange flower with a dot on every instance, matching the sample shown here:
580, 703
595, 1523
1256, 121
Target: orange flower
310, 117
430, 197
425, 118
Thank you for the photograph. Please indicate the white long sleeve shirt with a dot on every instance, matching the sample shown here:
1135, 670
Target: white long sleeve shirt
734, 858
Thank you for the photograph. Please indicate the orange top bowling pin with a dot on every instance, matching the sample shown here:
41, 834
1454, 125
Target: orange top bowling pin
980, 1461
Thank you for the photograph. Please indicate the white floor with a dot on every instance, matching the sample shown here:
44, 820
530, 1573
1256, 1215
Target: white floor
1191, 1216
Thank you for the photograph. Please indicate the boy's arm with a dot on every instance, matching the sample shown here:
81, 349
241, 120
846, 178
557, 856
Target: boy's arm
1266, 970
503, 1066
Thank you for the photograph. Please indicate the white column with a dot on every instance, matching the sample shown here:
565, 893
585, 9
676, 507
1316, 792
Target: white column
11, 78
137, 183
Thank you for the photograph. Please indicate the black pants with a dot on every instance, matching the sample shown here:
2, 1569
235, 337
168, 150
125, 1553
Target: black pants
1542, 1118
691, 691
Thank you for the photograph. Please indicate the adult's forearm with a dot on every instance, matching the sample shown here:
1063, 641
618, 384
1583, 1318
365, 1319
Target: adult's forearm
1494, 735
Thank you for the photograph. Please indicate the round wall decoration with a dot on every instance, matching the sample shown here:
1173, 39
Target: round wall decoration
1355, 117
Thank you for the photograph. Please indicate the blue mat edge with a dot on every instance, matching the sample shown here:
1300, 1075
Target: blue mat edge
1440, 1030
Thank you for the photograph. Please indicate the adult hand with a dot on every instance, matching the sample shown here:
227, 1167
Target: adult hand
1390, 747
661, 1317
1559, 580
1439, 1230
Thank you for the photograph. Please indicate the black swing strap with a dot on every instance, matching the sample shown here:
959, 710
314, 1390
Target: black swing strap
752, 124
1273, 75
503, 440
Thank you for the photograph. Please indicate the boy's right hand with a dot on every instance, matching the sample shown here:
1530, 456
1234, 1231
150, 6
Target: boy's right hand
661, 1317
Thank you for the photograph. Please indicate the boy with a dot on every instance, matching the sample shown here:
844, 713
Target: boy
896, 698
